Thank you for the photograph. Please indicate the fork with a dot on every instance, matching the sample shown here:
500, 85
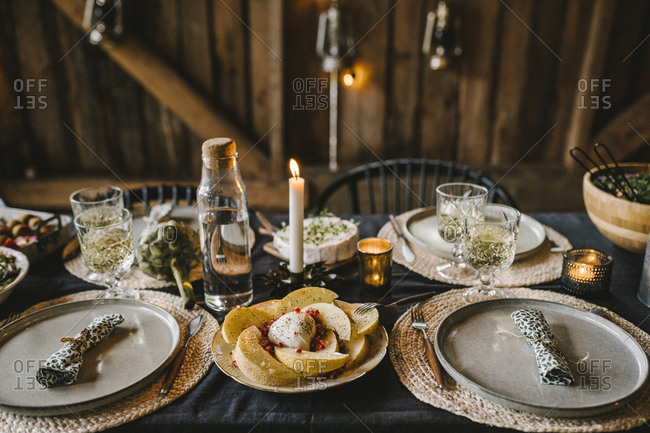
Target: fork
367, 306
555, 248
417, 321
9, 319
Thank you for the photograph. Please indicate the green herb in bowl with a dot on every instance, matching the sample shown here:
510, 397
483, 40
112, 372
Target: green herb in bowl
8, 269
640, 183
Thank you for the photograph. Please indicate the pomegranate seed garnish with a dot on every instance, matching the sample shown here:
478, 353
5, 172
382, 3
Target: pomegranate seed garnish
299, 350
280, 344
297, 310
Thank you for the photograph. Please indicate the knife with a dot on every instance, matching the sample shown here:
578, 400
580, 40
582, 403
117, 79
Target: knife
406, 250
269, 228
192, 328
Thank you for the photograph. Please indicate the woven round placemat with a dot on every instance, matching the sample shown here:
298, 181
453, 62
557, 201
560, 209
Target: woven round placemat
195, 366
414, 372
136, 279
542, 267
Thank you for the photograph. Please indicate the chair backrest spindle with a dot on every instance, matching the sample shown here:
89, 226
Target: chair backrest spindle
403, 171
371, 191
384, 189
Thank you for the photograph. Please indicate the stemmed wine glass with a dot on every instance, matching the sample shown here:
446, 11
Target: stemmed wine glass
453, 200
106, 240
491, 241
95, 196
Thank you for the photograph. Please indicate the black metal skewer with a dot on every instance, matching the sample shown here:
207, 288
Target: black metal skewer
597, 147
606, 170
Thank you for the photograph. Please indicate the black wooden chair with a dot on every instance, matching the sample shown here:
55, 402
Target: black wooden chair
399, 185
178, 195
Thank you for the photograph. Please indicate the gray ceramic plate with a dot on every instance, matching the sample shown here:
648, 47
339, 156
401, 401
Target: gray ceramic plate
502, 367
135, 354
422, 229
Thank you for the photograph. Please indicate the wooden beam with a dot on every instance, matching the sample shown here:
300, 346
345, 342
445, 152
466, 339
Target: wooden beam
54, 194
172, 90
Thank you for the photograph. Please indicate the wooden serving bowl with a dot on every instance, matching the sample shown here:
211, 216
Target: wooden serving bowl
623, 222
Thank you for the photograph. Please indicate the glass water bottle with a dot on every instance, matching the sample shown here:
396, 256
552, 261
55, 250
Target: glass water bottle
223, 218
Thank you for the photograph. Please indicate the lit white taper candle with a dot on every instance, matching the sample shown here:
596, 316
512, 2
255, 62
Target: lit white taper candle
296, 217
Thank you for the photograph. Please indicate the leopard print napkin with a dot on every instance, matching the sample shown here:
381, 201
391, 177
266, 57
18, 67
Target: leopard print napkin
63, 365
552, 364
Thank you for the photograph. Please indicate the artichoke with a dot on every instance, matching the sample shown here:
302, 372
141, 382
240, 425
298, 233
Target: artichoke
168, 251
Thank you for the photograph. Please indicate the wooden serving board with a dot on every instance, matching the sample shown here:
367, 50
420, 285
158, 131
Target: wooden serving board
270, 249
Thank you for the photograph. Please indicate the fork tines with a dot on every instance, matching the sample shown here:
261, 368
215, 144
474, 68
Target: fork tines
364, 308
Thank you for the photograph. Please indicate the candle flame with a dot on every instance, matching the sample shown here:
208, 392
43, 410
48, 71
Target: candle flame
295, 171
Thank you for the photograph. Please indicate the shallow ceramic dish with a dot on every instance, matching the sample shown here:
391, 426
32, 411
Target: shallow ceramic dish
422, 229
51, 241
23, 265
221, 353
135, 354
502, 368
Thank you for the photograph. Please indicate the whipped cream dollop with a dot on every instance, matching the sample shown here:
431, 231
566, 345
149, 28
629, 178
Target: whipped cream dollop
293, 330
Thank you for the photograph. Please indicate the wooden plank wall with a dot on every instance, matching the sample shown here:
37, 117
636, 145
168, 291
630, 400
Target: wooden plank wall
514, 90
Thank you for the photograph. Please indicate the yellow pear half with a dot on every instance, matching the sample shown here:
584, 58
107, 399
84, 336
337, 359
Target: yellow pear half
365, 323
241, 318
357, 348
270, 307
310, 363
333, 318
330, 342
257, 364
305, 296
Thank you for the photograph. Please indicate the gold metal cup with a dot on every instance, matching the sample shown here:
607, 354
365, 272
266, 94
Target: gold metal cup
375, 263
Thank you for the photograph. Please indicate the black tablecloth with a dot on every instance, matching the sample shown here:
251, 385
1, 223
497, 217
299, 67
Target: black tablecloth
377, 401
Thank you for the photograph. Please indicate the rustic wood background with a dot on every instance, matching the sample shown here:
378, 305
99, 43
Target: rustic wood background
513, 93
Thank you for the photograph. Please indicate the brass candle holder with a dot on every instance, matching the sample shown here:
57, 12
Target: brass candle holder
586, 271
375, 263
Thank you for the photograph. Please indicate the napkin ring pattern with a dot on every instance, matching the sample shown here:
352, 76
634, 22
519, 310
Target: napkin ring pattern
552, 365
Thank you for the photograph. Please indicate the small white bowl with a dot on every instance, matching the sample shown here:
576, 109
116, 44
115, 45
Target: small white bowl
22, 263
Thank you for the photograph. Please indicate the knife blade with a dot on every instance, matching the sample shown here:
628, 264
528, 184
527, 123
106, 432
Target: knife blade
408, 253
191, 330
269, 229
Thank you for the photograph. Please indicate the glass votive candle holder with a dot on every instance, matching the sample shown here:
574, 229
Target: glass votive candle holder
586, 271
375, 263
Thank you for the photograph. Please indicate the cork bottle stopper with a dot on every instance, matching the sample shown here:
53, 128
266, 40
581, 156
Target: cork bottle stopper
221, 147
218, 153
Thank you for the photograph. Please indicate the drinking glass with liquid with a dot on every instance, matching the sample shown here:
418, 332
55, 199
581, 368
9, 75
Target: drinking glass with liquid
223, 218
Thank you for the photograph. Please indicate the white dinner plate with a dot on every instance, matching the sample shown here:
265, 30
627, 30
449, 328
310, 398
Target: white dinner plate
23, 264
422, 229
136, 353
222, 354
